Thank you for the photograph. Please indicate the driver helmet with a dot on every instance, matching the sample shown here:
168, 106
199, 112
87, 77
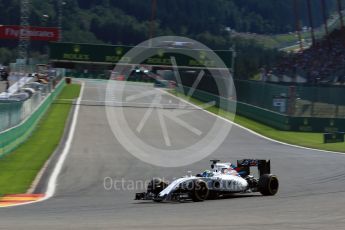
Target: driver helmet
207, 173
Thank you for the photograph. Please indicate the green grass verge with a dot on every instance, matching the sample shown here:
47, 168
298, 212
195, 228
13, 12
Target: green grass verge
19, 168
306, 139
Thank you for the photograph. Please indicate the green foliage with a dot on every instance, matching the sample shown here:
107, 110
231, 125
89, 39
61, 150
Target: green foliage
128, 22
5, 55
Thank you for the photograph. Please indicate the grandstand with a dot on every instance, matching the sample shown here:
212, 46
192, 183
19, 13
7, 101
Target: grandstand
322, 63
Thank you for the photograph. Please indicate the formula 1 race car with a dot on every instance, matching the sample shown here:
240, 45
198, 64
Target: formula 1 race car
220, 180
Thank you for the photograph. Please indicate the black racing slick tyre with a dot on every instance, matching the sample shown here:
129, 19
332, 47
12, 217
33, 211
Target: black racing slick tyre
156, 185
200, 191
268, 185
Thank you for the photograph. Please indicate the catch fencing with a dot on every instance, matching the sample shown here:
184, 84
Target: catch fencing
260, 107
25, 116
294, 100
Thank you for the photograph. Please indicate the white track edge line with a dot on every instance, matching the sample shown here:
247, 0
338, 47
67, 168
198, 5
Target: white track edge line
251, 131
57, 169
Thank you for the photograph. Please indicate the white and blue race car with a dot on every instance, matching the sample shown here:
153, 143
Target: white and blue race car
220, 180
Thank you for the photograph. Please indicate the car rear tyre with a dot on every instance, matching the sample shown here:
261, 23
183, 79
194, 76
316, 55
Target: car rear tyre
268, 185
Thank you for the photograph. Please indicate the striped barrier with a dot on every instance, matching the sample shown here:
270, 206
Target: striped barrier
14, 199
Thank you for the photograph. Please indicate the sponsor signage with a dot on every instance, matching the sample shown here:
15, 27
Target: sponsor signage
280, 103
115, 54
35, 33
333, 137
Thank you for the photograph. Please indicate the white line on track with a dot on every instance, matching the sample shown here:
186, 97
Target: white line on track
120, 103
249, 130
57, 169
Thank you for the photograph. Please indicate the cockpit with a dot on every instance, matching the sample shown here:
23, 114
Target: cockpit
220, 169
224, 168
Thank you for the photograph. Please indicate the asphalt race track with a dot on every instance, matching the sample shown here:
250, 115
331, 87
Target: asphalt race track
311, 196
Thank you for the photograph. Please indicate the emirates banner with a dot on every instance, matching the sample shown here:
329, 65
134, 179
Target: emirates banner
35, 33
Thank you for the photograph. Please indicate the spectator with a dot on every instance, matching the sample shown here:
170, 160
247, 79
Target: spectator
324, 61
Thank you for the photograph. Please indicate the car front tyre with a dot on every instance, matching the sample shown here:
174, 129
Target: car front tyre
200, 191
156, 185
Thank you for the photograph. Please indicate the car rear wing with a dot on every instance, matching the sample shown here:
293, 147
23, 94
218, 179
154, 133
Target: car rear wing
244, 165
